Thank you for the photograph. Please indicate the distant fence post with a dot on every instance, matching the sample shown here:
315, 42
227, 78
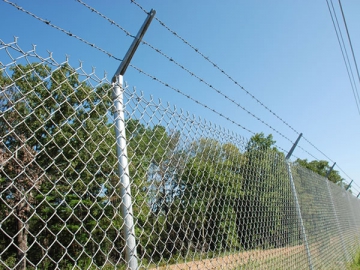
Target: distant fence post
297, 205
330, 170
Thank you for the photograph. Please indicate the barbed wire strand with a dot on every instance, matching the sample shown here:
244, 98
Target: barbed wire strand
141, 71
171, 59
106, 18
216, 66
191, 98
136, 68
61, 29
233, 80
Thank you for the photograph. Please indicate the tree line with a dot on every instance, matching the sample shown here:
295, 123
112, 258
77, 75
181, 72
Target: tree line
60, 197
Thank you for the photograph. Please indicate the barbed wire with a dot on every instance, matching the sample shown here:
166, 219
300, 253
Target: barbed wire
216, 66
106, 18
233, 80
47, 22
136, 68
191, 98
171, 59
318, 149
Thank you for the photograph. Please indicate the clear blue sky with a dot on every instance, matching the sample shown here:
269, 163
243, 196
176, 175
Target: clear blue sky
284, 52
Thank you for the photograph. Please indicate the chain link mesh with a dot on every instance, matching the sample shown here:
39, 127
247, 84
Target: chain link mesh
202, 197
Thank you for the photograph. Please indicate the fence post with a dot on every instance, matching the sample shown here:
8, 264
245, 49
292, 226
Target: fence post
297, 205
330, 170
125, 192
298, 210
349, 185
121, 148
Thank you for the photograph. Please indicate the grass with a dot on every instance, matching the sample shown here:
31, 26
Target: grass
355, 265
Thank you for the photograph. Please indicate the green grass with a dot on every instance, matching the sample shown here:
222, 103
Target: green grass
355, 265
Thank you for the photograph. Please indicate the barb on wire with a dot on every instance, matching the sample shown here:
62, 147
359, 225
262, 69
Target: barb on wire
307, 152
318, 149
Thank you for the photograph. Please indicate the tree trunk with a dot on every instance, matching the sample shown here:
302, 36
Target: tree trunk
22, 236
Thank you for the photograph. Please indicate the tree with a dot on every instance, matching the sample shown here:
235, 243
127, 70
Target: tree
261, 211
211, 184
55, 128
61, 130
20, 193
154, 166
321, 167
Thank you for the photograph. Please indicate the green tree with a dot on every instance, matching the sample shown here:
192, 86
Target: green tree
55, 129
261, 211
154, 166
321, 167
211, 184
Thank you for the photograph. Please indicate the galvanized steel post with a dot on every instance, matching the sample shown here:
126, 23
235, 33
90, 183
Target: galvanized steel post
297, 204
123, 167
121, 148
330, 170
298, 210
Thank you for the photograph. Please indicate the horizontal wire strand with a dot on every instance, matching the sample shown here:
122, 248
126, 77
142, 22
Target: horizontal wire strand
233, 80
153, 77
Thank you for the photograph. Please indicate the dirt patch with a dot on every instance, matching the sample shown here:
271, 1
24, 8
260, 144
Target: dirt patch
260, 259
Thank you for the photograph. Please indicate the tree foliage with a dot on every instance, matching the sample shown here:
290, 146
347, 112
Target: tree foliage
60, 192
51, 163
321, 167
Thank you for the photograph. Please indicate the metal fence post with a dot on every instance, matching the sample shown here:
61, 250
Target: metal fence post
330, 170
125, 192
349, 185
298, 211
121, 147
297, 204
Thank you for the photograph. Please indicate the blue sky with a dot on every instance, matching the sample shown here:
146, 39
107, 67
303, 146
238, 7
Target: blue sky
285, 53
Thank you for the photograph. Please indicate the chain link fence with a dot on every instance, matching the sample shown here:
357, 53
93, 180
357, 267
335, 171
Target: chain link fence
201, 197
